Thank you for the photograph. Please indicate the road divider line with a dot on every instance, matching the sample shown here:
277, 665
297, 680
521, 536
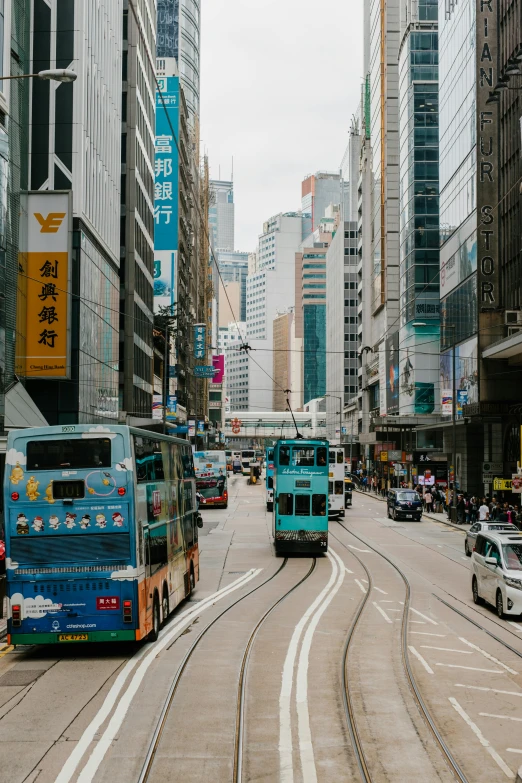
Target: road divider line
148, 653
427, 633
417, 622
363, 588
425, 617
306, 748
487, 655
421, 659
379, 590
513, 750
356, 549
499, 717
447, 649
469, 668
379, 609
482, 688
286, 754
481, 738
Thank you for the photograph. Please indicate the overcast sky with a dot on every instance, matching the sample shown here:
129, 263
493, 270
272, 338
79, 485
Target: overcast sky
280, 80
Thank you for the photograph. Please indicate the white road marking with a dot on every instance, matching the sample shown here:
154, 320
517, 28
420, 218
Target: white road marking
286, 762
348, 570
516, 625
447, 649
306, 747
379, 609
469, 668
148, 653
384, 601
426, 633
487, 655
363, 588
500, 717
418, 622
379, 590
415, 611
513, 750
481, 688
359, 550
464, 558
421, 659
483, 741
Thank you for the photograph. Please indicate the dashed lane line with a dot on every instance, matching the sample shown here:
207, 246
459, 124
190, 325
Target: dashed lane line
425, 617
421, 659
363, 588
481, 738
348, 570
483, 688
469, 668
379, 609
513, 750
426, 633
447, 649
499, 717
487, 655
379, 590
517, 626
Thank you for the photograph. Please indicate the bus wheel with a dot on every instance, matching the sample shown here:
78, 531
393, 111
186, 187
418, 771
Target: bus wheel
156, 620
165, 605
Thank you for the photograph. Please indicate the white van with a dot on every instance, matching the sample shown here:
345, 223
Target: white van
496, 563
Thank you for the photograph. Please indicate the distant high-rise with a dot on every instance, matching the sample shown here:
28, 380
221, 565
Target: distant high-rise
318, 191
221, 214
178, 31
233, 267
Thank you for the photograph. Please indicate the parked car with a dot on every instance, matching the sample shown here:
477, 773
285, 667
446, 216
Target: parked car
479, 527
405, 503
496, 565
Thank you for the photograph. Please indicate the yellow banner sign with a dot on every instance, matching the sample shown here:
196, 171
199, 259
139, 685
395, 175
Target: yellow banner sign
45, 268
384, 456
502, 484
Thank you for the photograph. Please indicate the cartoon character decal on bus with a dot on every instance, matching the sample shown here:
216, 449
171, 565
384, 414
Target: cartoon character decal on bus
54, 522
38, 524
70, 520
22, 525
31, 489
17, 474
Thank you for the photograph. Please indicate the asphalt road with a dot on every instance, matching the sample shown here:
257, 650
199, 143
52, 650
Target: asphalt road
371, 663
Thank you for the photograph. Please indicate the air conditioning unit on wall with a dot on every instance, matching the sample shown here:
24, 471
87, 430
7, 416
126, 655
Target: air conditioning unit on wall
514, 330
513, 317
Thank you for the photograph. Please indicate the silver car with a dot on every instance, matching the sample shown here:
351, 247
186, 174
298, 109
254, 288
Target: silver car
480, 527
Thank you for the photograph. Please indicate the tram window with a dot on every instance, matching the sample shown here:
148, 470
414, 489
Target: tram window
339, 487
302, 505
340, 457
319, 505
302, 457
270, 482
331, 457
321, 455
285, 504
330, 487
284, 455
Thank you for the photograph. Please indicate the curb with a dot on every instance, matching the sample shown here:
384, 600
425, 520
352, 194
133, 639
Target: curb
433, 519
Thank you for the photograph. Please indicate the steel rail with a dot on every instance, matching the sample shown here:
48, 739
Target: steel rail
240, 712
160, 725
454, 766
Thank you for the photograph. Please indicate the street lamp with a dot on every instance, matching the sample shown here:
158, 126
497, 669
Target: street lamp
54, 75
334, 397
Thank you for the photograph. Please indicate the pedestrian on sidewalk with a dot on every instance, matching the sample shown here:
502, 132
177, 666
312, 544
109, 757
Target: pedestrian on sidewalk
461, 510
483, 511
474, 507
428, 499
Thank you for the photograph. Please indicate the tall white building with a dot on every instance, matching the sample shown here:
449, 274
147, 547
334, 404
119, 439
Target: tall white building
270, 291
236, 367
178, 35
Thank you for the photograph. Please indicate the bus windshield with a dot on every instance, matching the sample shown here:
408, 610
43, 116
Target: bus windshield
69, 453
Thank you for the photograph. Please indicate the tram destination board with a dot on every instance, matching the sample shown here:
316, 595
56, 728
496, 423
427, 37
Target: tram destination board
302, 484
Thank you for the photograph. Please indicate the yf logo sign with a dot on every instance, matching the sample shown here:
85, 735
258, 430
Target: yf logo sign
50, 224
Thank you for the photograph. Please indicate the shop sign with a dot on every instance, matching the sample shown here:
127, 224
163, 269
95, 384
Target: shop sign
493, 467
384, 456
502, 484
394, 456
516, 483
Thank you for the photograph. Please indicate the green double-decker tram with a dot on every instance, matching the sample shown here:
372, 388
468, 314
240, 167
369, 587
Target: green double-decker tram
300, 516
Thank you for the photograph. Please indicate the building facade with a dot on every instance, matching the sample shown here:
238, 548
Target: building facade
75, 145
282, 360
318, 191
178, 36
221, 214
233, 268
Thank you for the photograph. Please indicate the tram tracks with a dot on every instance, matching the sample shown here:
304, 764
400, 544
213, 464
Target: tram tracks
155, 741
347, 698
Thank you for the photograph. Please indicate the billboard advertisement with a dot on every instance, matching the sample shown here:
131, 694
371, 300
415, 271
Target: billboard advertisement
466, 382
44, 291
459, 266
219, 365
392, 373
200, 338
166, 167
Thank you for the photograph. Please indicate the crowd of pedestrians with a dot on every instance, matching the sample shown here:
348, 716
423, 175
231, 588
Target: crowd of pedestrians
436, 500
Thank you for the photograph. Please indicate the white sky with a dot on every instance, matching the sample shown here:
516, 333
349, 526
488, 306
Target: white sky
280, 80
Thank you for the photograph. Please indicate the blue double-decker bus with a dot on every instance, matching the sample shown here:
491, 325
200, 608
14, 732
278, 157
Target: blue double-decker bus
269, 478
300, 518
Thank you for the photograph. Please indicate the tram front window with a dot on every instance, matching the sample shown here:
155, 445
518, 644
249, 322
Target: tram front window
319, 505
322, 455
285, 504
303, 457
284, 455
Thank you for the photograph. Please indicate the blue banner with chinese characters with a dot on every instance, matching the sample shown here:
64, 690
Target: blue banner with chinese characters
166, 169
200, 338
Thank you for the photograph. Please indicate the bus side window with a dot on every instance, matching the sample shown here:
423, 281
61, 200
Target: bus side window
270, 482
285, 504
284, 455
319, 505
159, 472
302, 505
330, 487
340, 457
322, 455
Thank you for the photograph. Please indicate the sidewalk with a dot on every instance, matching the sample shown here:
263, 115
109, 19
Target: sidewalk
435, 517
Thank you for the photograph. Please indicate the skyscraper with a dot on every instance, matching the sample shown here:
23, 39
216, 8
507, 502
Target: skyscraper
221, 214
317, 192
178, 33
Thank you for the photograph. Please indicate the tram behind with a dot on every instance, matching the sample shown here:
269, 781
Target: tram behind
300, 518
269, 479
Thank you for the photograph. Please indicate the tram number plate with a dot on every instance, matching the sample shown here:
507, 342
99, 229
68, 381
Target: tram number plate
73, 637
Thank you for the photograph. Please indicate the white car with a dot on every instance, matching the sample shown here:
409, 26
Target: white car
496, 564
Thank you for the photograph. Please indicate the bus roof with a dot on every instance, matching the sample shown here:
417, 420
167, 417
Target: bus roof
93, 430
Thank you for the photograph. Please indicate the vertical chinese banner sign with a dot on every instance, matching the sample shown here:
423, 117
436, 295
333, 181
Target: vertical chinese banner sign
166, 192
46, 269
